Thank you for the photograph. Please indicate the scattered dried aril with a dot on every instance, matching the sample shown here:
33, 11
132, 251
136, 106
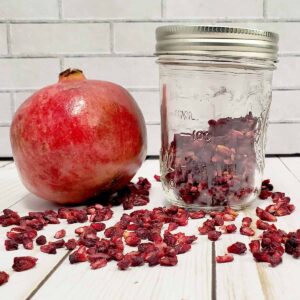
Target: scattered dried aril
3, 277
224, 259
78, 256
24, 263
214, 235
60, 234
41, 240
247, 231
237, 248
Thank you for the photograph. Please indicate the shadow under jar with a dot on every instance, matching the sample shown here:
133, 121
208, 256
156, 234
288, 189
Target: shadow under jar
216, 91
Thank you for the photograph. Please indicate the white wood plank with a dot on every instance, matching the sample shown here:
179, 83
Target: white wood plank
190, 279
245, 279
11, 187
4, 163
293, 164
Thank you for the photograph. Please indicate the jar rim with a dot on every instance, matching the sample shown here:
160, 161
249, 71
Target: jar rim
216, 41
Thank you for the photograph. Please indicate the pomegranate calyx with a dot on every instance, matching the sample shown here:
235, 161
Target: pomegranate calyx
71, 74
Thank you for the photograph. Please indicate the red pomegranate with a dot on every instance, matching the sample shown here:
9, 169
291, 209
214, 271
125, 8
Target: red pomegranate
78, 138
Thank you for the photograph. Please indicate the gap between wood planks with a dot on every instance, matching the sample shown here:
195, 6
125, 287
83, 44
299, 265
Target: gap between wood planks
48, 276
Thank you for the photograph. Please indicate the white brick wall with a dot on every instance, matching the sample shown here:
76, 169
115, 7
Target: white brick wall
115, 39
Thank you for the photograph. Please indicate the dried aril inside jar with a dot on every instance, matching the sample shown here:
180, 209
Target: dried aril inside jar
215, 167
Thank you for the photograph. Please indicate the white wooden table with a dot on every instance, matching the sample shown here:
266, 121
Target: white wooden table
196, 276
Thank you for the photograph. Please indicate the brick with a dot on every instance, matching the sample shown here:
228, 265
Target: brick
285, 106
112, 9
41, 39
3, 39
289, 42
283, 139
136, 38
148, 101
153, 139
183, 9
287, 73
5, 111
31, 73
131, 72
5, 149
20, 97
28, 10
283, 9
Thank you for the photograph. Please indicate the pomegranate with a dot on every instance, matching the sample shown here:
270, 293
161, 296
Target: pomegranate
78, 138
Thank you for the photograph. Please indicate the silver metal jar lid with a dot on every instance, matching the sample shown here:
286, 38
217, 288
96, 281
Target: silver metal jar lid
216, 41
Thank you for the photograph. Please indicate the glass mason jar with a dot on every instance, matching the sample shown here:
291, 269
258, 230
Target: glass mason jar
216, 91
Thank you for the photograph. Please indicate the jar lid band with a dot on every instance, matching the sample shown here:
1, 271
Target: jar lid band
216, 41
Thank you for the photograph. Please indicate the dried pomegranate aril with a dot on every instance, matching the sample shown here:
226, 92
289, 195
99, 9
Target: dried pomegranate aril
237, 248
99, 263
131, 239
71, 244
49, 248
28, 243
152, 258
264, 225
261, 256
41, 240
246, 222
275, 260
197, 214
3, 277
59, 244
98, 226
60, 234
224, 259
247, 231
78, 256
213, 167
11, 245
124, 264
182, 248
265, 216
168, 261
24, 263
230, 228
157, 177
214, 235
254, 246
172, 226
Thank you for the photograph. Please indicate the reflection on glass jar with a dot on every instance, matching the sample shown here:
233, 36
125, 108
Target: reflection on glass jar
216, 90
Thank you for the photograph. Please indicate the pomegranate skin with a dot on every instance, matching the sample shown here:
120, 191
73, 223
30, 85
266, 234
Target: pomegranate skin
78, 138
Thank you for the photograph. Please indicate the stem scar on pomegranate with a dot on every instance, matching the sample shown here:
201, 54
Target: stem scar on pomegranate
78, 138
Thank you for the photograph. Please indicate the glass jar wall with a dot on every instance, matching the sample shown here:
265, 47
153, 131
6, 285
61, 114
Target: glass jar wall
214, 116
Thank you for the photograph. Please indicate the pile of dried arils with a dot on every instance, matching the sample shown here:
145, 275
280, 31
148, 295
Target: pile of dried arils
149, 231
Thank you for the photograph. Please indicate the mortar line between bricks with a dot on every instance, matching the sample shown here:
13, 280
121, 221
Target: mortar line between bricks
40, 285
60, 9
76, 55
113, 55
157, 20
99, 55
112, 37
265, 9
12, 104
61, 63
162, 8
8, 38
132, 89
